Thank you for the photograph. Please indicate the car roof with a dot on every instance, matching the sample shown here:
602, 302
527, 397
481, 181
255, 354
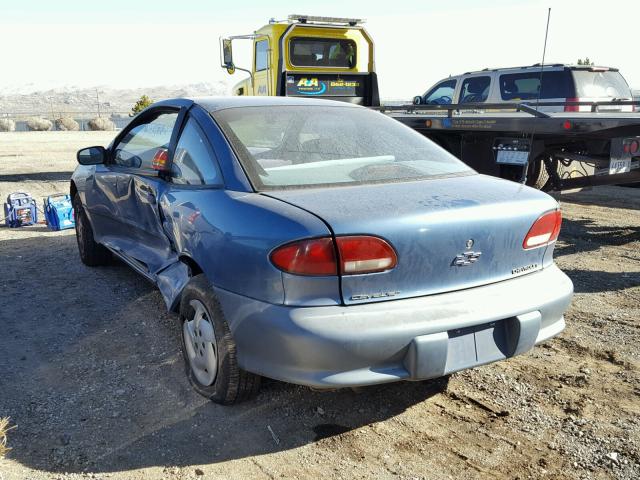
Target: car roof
213, 104
547, 67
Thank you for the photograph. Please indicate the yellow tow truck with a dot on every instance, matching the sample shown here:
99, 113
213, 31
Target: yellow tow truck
309, 56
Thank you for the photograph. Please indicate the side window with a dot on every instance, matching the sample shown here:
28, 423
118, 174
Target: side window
526, 86
441, 94
261, 55
193, 162
475, 90
140, 144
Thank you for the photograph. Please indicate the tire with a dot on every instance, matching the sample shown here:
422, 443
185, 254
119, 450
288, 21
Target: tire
91, 252
538, 176
208, 348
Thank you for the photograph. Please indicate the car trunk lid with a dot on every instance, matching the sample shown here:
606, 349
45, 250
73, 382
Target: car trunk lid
449, 233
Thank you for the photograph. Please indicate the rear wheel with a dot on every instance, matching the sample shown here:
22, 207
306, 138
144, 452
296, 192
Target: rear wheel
538, 176
208, 348
91, 252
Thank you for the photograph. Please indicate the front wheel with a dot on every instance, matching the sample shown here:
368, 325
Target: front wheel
208, 347
91, 252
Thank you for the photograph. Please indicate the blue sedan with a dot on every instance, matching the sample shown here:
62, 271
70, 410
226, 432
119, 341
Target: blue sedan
319, 243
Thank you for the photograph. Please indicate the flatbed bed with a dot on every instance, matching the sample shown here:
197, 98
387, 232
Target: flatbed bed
551, 151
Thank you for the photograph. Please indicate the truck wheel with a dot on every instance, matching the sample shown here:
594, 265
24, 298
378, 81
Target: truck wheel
209, 351
91, 252
538, 176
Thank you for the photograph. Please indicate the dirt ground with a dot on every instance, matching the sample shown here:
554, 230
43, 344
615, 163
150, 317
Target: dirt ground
91, 372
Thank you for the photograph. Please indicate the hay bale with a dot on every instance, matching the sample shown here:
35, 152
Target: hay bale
37, 124
67, 124
103, 124
4, 428
7, 125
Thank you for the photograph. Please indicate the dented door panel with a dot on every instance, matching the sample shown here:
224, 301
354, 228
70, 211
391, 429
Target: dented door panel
144, 222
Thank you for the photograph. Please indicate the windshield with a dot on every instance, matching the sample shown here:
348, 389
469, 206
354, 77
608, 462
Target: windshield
601, 84
306, 146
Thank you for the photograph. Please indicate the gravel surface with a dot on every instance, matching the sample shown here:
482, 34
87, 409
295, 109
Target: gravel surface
91, 372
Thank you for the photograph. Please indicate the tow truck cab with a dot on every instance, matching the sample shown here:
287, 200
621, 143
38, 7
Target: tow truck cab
305, 56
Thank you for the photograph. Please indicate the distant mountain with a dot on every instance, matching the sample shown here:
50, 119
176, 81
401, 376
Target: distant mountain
70, 99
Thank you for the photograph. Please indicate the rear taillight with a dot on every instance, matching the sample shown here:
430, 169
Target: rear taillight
364, 254
544, 230
307, 257
572, 108
357, 254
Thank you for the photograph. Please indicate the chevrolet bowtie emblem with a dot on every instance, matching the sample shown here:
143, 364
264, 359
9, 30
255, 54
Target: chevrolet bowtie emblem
466, 258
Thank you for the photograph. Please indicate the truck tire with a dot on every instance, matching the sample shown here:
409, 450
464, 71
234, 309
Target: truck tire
208, 348
538, 176
91, 252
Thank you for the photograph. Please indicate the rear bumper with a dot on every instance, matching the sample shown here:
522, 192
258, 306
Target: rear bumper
411, 339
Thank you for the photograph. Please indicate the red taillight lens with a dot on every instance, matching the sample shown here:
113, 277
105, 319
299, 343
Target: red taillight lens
307, 257
572, 108
544, 231
634, 147
365, 254
358, 254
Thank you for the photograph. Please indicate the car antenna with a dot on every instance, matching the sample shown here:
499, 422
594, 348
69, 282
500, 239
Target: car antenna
533, 130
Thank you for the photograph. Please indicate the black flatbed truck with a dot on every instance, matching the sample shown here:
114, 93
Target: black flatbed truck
519, 142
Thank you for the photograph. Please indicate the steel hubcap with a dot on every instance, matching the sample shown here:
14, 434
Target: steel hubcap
200, 344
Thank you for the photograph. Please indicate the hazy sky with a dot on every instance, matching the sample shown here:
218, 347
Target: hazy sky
126, 43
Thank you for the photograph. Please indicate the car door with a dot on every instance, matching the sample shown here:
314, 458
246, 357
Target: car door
101, 201
261, 77
134, 187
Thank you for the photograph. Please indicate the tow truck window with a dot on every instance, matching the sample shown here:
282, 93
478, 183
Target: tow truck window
441, 94
475, 90
262, 47
525, 86
322, 52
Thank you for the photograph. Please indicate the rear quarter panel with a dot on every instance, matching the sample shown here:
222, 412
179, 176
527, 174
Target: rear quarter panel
231, 234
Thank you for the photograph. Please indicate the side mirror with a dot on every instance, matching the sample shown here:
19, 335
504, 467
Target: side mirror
227, 56
417, 100
92, 156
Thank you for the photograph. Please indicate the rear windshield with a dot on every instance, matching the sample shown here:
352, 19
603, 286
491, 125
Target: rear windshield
525, 86
306, 146
601, 84
322, 52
